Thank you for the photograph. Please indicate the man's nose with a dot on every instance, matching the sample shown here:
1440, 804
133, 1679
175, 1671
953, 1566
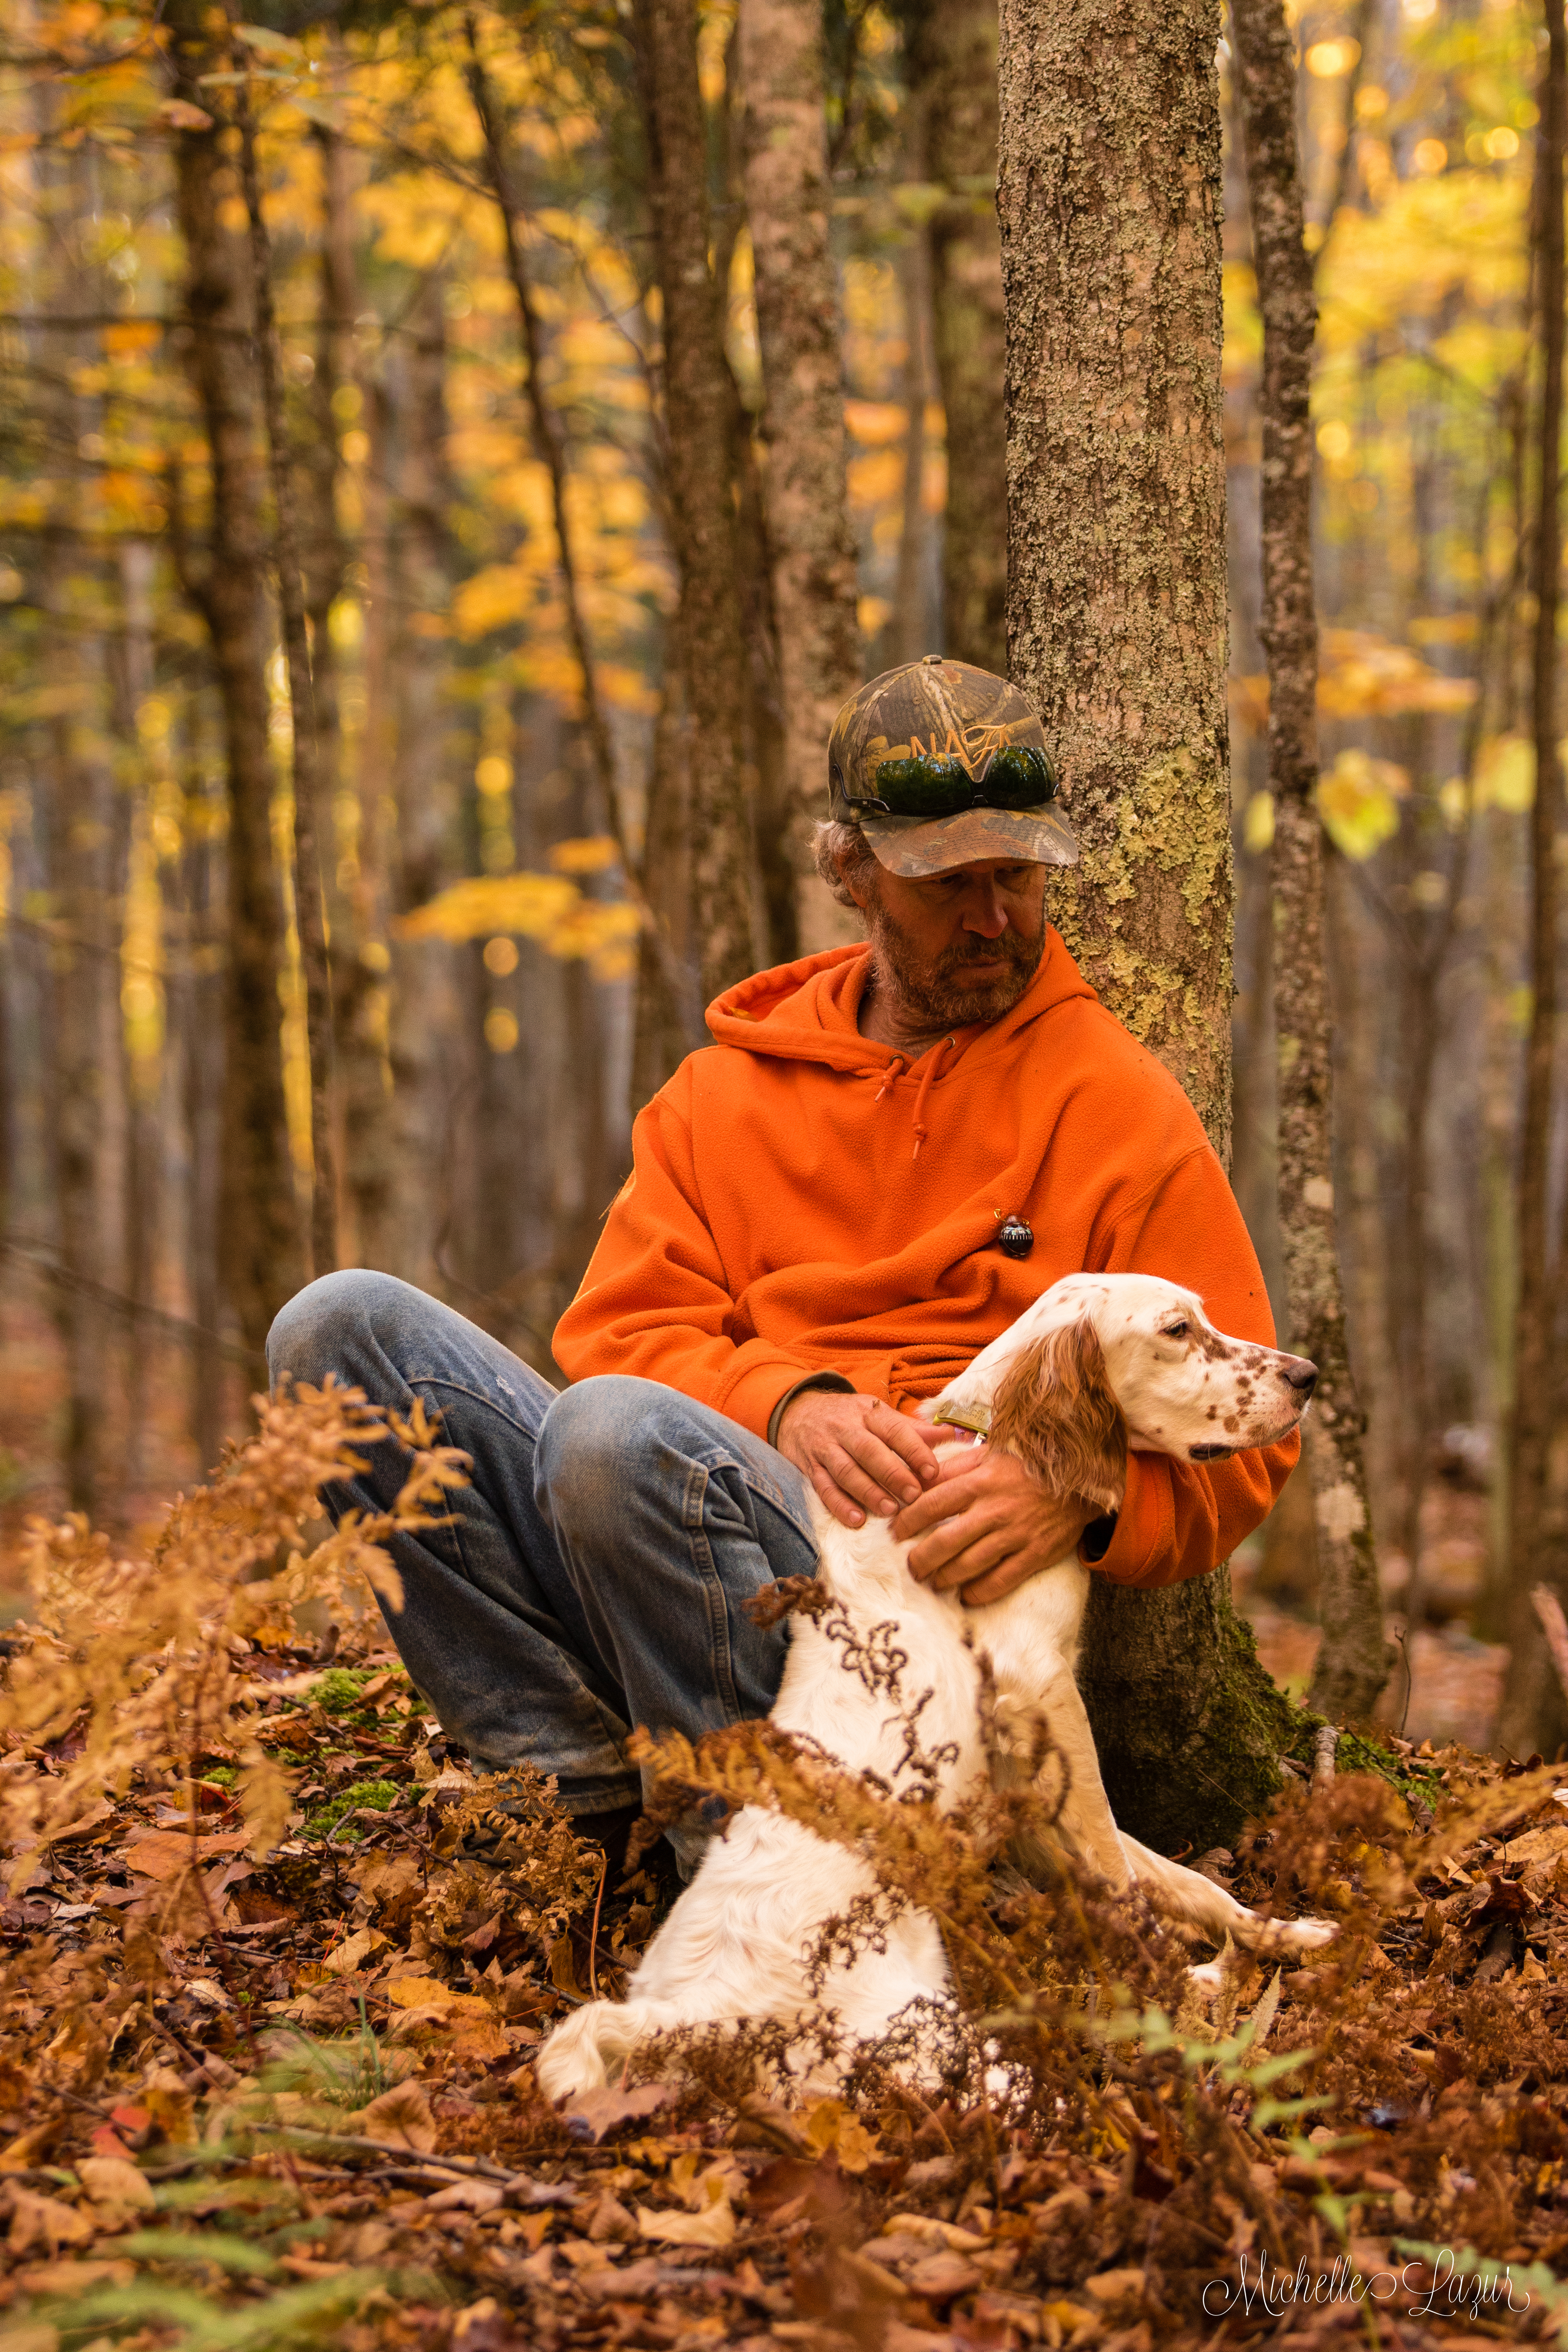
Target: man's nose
1299, 1373
986, 917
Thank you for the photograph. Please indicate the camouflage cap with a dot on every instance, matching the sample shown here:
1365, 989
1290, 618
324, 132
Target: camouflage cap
947, 711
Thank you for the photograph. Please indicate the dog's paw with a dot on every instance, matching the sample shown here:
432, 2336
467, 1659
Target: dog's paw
1306, 1934
1207, 1977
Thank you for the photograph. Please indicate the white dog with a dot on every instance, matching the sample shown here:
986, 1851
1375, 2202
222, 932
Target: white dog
1101, 1362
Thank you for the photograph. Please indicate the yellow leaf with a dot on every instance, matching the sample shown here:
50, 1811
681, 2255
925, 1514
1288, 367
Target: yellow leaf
1505, 774
714, 2227
832, 2127
592, 854
1358, 802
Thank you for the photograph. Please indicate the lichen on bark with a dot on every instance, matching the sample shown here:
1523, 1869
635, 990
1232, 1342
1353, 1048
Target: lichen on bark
1109, 204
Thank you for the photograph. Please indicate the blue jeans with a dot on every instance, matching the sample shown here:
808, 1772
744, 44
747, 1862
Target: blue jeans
598, 1563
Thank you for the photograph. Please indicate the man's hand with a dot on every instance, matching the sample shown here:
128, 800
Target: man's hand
986, 1526
859, 1453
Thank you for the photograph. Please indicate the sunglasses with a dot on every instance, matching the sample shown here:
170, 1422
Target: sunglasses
1019, 777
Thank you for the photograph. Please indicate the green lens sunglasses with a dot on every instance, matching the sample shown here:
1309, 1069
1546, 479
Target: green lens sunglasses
1020, 776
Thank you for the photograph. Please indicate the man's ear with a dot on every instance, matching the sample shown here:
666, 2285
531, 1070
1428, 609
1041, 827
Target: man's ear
1055, 1409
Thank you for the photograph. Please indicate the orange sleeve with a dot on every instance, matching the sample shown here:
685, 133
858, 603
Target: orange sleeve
1178, 1520
654, 1301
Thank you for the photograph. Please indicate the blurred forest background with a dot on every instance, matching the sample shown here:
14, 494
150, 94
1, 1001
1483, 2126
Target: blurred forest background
351, 835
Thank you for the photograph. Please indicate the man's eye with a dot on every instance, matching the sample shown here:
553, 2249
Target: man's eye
1177, 1330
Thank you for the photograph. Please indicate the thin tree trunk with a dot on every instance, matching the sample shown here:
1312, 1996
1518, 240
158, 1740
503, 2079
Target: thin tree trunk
910, 632
550, 449
1351, 1664
1110, 207
405, 741
258, 1220
952, 50
1531, 1715
77, 827
810, 544
309, 880
202, 1096
697, 399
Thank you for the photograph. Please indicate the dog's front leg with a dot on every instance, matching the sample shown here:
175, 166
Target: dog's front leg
1083, 1815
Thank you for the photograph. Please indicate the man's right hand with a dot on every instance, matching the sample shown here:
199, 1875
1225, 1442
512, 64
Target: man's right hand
859, 1453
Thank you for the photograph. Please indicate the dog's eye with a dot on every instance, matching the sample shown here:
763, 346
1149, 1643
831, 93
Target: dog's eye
1176, 1330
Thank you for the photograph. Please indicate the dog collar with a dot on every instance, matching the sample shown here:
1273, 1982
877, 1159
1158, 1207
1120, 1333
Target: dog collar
977, 1417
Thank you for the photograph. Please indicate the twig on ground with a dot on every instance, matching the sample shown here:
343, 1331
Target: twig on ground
1325, 1739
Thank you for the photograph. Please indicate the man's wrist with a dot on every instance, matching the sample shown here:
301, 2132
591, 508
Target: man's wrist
812, 1381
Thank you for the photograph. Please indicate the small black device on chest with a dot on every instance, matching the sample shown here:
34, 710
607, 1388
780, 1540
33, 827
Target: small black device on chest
1014, 1237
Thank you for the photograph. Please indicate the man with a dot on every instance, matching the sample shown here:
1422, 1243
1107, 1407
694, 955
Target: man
888, 1153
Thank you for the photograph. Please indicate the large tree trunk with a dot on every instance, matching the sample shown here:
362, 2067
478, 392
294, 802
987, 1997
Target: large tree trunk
1532, 1715
1110, 207
952, 54
1352, 1664
697, 396
260, 1220
810, 544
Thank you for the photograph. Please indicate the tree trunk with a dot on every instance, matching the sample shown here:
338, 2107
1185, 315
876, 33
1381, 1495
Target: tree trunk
810, 544
80, 966
697, 400
1532, 1715
406, 728
951, 52
259, 1218
1109, 208
309, 877
1351, 1664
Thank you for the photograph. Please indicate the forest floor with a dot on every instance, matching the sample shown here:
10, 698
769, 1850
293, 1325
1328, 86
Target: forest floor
266, 2089
299, 2100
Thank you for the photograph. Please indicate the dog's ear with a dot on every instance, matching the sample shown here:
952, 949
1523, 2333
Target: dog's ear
1056, 1410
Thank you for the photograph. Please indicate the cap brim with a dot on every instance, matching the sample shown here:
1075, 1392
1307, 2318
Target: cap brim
913, 845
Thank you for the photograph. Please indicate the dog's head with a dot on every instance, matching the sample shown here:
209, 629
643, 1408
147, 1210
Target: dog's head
1107, 1362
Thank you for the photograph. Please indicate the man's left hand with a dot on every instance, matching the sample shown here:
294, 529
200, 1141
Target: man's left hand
986, 1526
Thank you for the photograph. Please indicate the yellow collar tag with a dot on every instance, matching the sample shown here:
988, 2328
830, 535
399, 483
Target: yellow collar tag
977, 1417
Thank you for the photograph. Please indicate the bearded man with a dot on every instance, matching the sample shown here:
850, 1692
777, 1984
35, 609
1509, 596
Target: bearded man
890, 1151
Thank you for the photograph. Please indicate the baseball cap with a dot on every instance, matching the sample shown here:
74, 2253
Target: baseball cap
940, 763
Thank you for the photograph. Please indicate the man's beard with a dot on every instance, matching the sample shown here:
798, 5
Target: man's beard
935, 991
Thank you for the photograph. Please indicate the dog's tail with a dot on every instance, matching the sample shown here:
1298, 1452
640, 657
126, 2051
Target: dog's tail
589, 2050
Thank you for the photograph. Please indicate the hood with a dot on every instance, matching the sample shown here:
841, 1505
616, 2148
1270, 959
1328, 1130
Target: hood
807, 1012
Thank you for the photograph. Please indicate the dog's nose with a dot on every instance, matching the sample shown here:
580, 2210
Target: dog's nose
1299, 1373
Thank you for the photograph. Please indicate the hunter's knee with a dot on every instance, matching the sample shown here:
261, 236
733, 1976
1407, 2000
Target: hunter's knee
335, 1326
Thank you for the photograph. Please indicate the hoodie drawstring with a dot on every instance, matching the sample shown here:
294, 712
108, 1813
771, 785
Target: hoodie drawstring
895, 1070
932, 1060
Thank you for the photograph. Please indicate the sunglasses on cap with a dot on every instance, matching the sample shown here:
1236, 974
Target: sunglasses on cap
1019, 777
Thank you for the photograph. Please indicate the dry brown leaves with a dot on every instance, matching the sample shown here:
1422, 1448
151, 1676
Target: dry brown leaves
265, 2067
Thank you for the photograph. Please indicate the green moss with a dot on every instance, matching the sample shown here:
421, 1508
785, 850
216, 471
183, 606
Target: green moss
225, 1775
373, 1796
337, 1692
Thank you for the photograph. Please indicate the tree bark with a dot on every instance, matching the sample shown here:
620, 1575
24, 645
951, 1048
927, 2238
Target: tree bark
1532, 1715
309, 878
1351, 1664
259, 1219
696, 401
406, 762
810, 544
1110, 206
952, 54
550, 448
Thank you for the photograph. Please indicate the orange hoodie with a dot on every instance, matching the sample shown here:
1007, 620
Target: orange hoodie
803, 1200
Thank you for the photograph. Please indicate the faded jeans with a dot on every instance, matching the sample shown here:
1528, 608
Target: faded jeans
596, 1569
